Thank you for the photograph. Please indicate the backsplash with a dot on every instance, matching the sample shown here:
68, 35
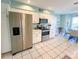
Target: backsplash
34, 25
42, 25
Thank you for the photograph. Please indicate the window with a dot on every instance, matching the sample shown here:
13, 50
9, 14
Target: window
74, 25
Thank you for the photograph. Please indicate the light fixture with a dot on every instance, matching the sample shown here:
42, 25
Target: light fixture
28, 1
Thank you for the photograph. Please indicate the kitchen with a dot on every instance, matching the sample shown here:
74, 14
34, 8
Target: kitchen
41, 29
37, 33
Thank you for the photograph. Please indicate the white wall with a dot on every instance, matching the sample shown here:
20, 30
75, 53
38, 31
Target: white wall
5, 32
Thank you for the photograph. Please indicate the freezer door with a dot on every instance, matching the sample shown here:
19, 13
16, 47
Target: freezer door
15, 20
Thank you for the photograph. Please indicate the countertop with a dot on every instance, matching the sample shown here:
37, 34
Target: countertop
35, 30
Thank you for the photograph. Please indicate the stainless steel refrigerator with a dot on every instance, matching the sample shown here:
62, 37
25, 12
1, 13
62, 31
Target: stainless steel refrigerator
20, 31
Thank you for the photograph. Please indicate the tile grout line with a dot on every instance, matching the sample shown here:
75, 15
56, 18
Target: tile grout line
51, 49
38, 53
62, 51
30, 54
45, 51
21, 55
25, 54
56, 46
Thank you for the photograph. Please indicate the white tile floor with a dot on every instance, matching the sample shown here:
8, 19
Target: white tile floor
55, 48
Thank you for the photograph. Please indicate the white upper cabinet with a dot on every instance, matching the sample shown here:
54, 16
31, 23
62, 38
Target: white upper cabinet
43, 15
35, 18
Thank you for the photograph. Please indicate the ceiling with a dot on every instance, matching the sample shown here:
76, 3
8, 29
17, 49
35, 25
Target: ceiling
58, 6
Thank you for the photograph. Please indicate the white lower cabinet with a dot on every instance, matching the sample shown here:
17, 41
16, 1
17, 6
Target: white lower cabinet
36, 36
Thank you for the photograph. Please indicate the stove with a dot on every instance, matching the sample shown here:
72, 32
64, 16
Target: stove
45, 34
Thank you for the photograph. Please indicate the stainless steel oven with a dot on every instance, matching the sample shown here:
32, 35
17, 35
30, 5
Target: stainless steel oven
45, 35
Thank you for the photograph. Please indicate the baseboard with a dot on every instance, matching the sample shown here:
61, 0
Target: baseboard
5, 52
16, 52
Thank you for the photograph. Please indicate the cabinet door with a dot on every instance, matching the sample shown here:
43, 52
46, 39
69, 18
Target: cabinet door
35, 17
39, 33
41, 15
36, 36
44, 15
16, 31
